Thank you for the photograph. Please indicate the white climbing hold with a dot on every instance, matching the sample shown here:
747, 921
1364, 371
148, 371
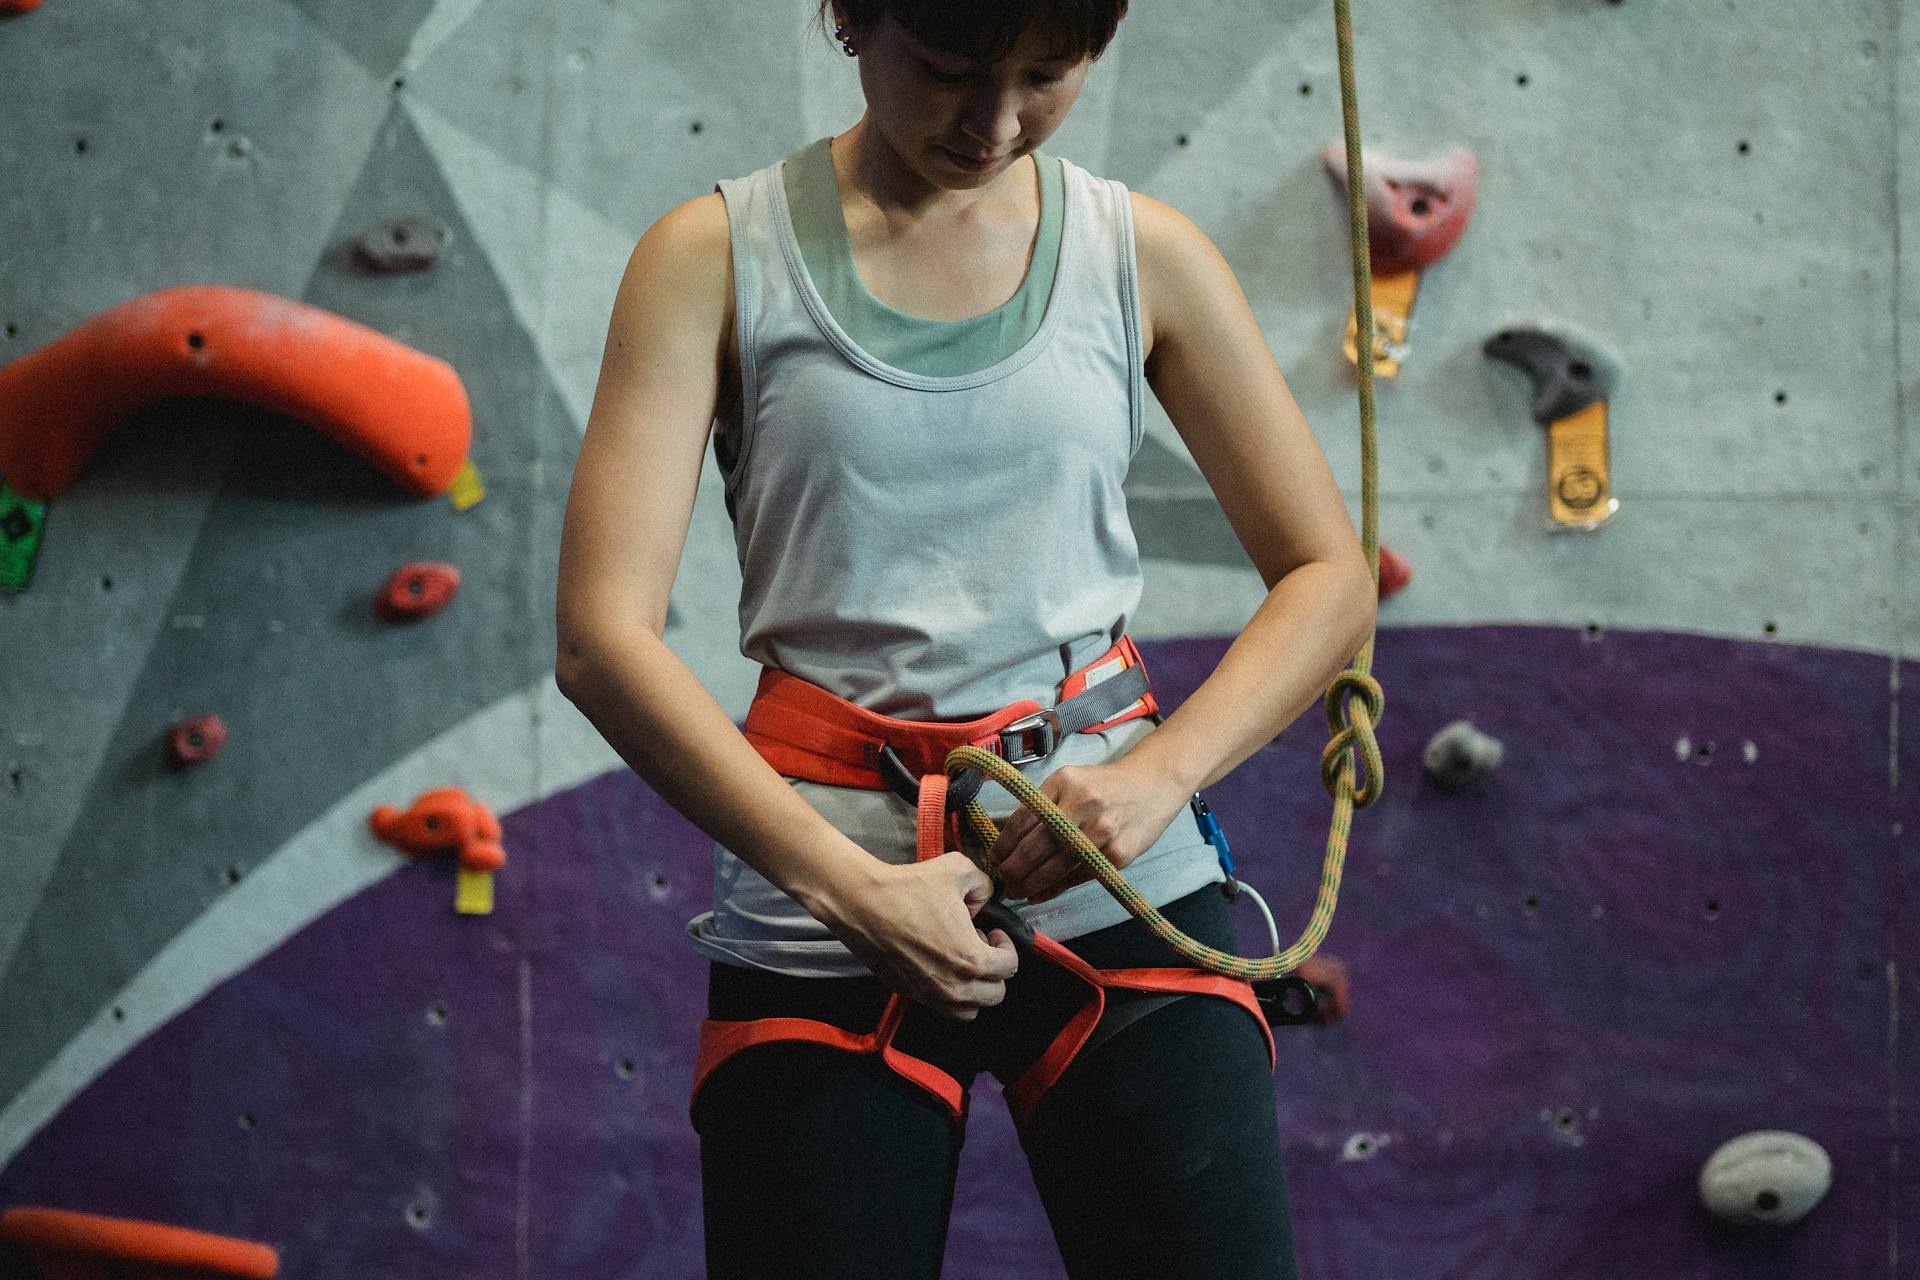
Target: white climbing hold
1364, 1146
1765, 1179
1460, 755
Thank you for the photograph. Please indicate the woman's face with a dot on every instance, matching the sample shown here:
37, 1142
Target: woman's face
956, 122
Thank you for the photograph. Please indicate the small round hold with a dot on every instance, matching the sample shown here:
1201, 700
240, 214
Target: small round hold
1395, 571
1460, 755
401, 244
1768, 1178
194, 741
418, 590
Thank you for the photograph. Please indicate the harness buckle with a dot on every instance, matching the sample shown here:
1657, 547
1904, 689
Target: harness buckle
1046, 724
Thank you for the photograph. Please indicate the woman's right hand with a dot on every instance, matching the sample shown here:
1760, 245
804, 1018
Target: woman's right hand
912, 925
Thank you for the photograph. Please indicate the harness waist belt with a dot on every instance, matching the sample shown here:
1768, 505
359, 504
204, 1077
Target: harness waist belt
805, 731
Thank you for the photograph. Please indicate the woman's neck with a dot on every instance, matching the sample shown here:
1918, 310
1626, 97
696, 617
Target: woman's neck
867, 168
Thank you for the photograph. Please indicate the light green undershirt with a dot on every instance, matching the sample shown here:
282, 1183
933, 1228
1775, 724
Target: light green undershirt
935, 348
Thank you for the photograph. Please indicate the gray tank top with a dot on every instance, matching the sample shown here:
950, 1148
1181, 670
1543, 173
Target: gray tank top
933, 546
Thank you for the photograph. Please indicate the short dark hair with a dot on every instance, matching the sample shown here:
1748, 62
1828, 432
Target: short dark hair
987, 30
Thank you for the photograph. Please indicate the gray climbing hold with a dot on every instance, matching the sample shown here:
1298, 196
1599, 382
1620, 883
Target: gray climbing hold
1460, 755
1567, 375
401, 244
1768, 1178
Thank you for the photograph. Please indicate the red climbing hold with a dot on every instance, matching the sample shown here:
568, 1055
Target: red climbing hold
194, 741
1416, 209
1395, 571
418, 590
18, 6
1328, 978
439, 820
85, 1246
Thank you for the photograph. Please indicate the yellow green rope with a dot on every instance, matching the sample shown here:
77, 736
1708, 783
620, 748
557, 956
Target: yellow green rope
1354, 701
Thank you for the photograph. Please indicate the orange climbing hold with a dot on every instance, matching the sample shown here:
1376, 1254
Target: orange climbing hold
402, 410
443, 819
64, 1245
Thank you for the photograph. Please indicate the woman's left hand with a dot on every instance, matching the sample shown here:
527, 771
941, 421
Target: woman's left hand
1123, 807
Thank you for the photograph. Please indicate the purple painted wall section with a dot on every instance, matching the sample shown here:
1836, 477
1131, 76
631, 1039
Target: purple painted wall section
1567, 990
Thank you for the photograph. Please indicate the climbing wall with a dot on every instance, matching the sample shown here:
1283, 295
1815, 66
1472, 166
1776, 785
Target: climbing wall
1677, 913
1637, 939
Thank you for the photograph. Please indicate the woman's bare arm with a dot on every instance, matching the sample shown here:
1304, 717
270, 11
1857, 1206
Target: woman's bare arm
1209, 365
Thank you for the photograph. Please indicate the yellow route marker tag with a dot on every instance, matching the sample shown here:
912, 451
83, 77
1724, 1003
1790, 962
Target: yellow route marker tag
1579, 489
467, 488
1393, 298
474, 896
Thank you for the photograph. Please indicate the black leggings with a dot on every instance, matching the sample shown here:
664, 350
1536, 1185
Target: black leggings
1156, 1155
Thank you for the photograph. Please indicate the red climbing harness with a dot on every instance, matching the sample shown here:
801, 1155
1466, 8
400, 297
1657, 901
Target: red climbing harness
806, 732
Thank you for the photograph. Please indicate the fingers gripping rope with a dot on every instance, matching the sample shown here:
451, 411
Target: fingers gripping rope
1209, 958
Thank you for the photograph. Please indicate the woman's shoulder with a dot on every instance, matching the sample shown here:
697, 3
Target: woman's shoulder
1177, 265
694, 226
1162, 230
679, 277
688, 246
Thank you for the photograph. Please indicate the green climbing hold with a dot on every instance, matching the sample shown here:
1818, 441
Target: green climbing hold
20, 523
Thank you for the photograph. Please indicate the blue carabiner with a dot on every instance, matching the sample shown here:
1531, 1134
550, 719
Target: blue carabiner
1211, 832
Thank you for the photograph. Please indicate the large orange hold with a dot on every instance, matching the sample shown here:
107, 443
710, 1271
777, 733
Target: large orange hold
402, 410
64, 1245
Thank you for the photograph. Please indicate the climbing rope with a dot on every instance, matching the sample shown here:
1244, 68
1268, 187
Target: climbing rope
1354, 701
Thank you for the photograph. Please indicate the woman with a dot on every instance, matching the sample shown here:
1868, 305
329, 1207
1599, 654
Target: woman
923, 347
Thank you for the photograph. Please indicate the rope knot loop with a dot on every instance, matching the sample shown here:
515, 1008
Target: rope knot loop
1356, 733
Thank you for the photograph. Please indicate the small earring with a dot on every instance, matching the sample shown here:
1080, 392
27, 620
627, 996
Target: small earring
846, 45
